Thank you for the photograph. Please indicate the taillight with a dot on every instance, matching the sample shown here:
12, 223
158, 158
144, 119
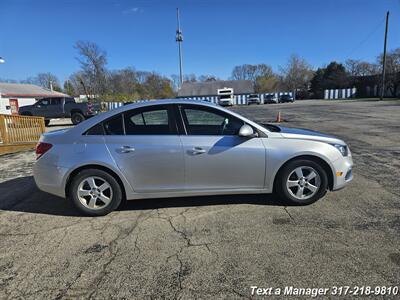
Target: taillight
42, 148
90, 107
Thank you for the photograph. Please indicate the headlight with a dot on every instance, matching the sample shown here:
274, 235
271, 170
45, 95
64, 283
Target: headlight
342, 149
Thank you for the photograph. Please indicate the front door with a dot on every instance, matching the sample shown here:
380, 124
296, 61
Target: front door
147, 149
215, 156
14, 106
40, 108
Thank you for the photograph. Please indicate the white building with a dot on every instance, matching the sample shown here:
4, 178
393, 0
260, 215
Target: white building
15, 95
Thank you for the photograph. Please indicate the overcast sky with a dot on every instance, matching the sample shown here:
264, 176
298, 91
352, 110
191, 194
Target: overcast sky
38, 35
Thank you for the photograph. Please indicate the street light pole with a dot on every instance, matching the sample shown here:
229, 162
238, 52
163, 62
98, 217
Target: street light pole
179, 40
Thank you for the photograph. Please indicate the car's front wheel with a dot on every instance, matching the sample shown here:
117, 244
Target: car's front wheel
302, 182
95, 192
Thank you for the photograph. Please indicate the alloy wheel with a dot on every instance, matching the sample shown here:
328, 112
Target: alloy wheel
94, 192
303, 182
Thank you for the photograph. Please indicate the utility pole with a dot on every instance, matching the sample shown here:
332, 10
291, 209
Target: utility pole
179, 40
384, 57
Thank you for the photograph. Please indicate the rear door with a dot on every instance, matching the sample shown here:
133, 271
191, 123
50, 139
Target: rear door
146, 147
215, 156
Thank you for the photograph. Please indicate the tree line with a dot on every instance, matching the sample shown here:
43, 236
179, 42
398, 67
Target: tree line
95, 80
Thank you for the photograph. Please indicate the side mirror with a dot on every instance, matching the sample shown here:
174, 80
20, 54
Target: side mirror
247, 131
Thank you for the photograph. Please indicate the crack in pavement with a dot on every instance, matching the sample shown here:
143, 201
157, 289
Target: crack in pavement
188, 243
113, 250
290, 216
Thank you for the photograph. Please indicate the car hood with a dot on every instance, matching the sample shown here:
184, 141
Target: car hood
306, 134
24, 107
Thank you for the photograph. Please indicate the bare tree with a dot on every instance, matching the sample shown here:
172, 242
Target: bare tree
392, 70
80, 83
297, 74
48, 81
189, 78
93, 61
207, 78
69, 88
357, 67
251, 72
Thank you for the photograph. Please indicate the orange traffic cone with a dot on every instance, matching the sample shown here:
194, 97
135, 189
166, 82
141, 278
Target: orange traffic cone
278, 117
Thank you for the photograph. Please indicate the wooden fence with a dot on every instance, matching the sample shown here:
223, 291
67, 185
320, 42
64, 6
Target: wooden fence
19, 132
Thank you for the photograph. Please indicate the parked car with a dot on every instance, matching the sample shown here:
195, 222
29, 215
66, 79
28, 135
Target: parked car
286, 98
173, 148
270, 99
253, 99
52, 108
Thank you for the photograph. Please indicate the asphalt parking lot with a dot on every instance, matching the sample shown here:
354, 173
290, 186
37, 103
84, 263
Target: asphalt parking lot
214, 247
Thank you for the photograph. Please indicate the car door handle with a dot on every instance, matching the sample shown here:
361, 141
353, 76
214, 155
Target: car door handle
126, 149
197, 150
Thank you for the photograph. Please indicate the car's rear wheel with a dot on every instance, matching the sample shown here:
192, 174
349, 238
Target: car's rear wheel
77, 118
95, 192
46, 122
302, 182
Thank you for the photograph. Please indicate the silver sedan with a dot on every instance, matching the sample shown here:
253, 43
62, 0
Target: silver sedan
175, 148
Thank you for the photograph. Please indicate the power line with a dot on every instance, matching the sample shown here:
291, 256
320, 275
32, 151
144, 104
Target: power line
370, 34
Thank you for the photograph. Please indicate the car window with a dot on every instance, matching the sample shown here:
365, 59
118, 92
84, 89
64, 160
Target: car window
153, 121
205, 121
114, 126
43, 102
96, 130
55, 101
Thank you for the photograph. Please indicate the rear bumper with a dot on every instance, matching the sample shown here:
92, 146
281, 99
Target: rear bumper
49, 178
343, 172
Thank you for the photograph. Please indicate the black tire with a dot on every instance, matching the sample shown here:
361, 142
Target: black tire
115, 195
283, 177
77, 118
46, 122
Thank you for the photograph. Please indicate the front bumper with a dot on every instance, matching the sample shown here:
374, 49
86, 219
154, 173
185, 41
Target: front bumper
225, 102
343, 172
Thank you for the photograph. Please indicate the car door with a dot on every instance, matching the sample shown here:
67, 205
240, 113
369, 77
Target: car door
215, 156
55, 108
145, 144
40, 108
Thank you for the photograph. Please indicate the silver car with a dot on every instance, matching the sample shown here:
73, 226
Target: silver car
174, 148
